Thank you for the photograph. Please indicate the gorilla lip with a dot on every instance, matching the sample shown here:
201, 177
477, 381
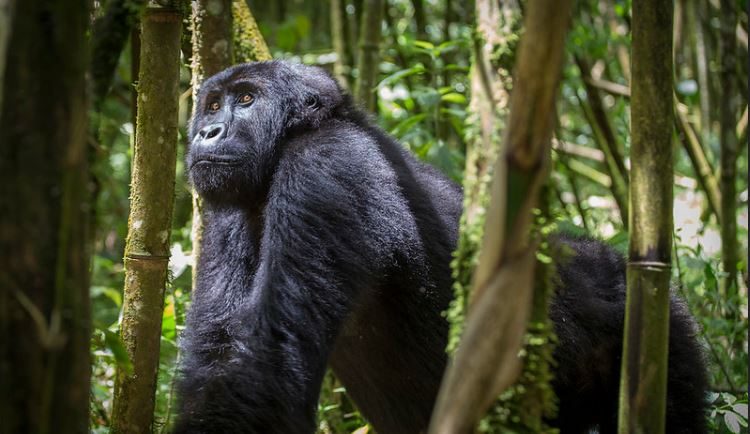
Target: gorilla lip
216, 159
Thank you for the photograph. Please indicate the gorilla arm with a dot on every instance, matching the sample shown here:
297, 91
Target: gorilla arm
315, 257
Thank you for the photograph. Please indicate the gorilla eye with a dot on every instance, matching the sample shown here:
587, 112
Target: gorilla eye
245, 99
214, 106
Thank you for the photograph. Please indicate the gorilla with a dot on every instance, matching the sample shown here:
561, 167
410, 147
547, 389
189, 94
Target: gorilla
326, 242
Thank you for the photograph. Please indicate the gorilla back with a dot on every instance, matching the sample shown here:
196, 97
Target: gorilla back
326, 242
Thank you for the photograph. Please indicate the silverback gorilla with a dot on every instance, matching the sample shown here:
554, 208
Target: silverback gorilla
326, 242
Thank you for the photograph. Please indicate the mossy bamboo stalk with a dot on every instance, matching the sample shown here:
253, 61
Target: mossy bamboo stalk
644, 364
249, 45
149, 224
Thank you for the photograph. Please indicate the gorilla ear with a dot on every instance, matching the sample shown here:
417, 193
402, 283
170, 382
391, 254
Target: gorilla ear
312, 102
321, 95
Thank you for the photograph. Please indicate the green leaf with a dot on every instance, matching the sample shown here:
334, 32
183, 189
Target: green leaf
453, 97
730, 420
424, 45
712, 283
728, 397
449, 45
619, 241
168, 322
399, 75
405, 125
113, 295
740, 409
712, 396
114, 343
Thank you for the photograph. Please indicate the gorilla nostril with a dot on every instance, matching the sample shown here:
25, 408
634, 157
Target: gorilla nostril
212, 131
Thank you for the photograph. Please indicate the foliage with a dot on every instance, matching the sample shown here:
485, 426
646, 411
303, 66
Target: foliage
728, 413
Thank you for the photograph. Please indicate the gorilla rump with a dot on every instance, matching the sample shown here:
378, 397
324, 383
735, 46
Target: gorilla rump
325, 241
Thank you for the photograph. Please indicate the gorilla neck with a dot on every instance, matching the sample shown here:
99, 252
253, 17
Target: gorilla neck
231, 229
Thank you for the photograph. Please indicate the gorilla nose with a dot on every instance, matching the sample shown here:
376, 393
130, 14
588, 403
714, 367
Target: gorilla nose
213, 133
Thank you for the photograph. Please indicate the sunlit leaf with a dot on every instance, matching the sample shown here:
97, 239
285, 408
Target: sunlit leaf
400, 75
453, 97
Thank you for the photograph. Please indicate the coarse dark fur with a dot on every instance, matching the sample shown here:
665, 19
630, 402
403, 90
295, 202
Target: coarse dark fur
325, 241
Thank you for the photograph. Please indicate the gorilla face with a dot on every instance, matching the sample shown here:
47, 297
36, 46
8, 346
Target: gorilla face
242, 117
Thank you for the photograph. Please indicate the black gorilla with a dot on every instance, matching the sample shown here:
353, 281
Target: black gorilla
326, 242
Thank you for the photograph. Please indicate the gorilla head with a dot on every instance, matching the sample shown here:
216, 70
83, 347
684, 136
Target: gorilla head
242, 116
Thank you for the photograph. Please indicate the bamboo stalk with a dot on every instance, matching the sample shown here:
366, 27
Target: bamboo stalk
643, 383
728, 109
702, 167
248, 43
369, 53
605, 137
149, 224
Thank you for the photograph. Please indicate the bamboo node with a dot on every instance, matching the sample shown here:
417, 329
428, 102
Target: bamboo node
650, 265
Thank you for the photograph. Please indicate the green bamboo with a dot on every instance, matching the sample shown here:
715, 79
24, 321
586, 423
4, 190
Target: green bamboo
368, 58
699, 160
597, 117
150, 221
644, 363
728, 110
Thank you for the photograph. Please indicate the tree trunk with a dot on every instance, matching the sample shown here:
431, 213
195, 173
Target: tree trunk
249, 45
212, 38
368, 58
644, 363
486, 361
44, 209
728, 110
149, 224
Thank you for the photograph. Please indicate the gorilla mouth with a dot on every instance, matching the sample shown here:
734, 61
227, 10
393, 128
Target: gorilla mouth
208, 159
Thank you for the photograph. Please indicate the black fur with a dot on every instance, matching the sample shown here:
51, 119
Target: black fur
326, 242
